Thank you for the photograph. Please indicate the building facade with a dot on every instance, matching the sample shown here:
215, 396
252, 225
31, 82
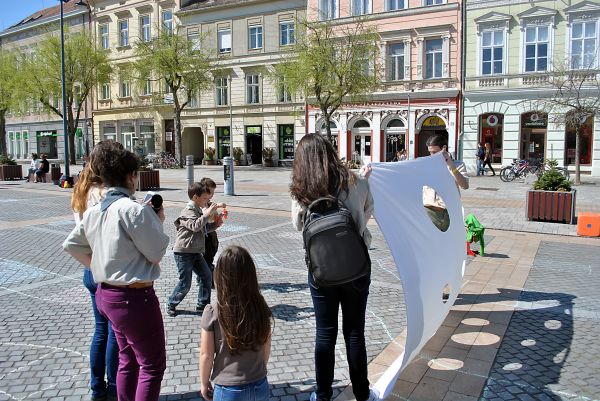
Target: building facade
125, 110
511, 52
33, 128
420, 54
245, 105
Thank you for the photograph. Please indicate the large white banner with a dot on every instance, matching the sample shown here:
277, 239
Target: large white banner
430, 262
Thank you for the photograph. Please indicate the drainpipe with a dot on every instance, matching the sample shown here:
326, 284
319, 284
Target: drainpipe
461, 96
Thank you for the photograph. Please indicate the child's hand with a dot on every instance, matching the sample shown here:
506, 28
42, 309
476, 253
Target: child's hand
219, 220
207, 391
212, 209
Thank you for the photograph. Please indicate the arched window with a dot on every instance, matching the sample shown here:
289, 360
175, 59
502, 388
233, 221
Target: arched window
585, 145
491, 128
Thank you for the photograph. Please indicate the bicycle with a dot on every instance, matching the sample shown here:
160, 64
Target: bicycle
518, 169
546, 165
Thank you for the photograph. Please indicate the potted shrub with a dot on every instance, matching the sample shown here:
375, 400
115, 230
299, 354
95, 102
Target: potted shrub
9, 169
268, 157
237, 156
148, 177
209, 156
552, 198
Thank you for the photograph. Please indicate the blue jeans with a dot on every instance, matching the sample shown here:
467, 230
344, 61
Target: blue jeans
326, 301
186, 264
480, 169
257, 391
104, 351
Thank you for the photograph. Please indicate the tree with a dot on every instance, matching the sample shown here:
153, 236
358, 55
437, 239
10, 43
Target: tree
85, 68
331, 64
182, 65
575, 98
9, 76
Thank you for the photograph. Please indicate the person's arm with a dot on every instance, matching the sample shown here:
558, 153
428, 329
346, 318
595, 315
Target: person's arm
460, 179
297, 215
146, 231
207, 356
77, 245
267, 350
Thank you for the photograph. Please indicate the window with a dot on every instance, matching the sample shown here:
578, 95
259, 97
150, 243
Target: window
433, 2
255, 40
105, 91
536, 48
433, 58
224, 40
395, 5
123, 32
360, 7
193, 100
125, 89
252, 89
221, 88
104, 43
147, 88
145, 28
167, 21
286, 141
284, 95
327, 9
396, 61
584, 45
194, 40
223, 142
286, 33
492, 52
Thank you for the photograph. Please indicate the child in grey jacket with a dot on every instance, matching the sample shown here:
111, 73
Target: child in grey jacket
192, 225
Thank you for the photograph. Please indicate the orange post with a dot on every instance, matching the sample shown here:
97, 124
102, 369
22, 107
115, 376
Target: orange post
588, 224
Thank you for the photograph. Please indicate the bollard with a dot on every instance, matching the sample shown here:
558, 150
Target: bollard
228, 176
189, 165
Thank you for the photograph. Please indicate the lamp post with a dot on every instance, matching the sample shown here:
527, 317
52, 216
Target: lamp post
67, 175
228, 161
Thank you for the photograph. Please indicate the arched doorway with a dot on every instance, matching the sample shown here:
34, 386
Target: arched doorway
585, 144
431, 125
491, 126
321, 129
192, 143
361, 142
395, 138
534, 127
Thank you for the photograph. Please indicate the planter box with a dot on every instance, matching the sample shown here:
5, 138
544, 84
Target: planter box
148, 180
551, 206
209, 162
268, 163
8, 172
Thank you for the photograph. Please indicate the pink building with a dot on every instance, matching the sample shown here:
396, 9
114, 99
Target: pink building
420, 51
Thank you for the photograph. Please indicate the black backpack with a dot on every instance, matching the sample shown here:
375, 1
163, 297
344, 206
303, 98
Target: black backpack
335, 252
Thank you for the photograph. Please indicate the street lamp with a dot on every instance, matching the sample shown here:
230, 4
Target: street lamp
67, 175
228, 187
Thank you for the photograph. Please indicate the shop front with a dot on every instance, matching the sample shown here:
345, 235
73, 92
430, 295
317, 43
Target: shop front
491, 126
430, 126
285, 139
534, 129
254, 143
47, 143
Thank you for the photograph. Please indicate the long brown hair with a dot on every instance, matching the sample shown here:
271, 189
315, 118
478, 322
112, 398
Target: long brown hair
87, 179
244, 314
317, 171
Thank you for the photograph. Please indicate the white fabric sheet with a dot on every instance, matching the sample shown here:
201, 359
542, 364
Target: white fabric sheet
427, 259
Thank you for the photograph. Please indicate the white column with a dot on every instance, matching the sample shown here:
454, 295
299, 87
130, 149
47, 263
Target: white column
407, 59
420, 57
376, 139
445, 56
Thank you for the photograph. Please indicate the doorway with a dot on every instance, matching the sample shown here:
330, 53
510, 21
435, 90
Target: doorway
254, 143
170, 136
533, 135
431, 126
361, 142
395, 139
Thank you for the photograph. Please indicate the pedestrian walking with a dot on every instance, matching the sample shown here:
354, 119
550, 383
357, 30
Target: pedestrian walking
236, 333
104, 350
317, 172
487, 161
192, 225
127, 242
480, 159
33, 166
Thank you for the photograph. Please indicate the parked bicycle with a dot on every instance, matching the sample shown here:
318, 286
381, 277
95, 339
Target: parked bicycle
518, 169
163, 160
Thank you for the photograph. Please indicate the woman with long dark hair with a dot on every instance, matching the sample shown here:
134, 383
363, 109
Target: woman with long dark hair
317, 173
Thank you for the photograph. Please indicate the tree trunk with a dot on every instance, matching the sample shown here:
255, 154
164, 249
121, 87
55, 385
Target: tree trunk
3, 132
577, 155
71, 129
328, 126
72, 159
178, 137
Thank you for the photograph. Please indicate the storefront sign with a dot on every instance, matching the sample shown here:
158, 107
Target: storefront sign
168, 136
492, 120
434, 121
45, 133
535, 120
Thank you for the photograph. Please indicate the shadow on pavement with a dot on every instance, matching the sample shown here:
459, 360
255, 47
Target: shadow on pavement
291, 313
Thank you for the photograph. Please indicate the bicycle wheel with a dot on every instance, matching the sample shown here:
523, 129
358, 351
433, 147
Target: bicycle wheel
503, 173
564, 171
510, 175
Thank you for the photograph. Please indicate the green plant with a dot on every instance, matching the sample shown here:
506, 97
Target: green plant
237, 153
552, 180
209, 153
144, 163
268, 153
7, 160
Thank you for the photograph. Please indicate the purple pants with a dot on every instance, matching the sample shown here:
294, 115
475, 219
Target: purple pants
138, 326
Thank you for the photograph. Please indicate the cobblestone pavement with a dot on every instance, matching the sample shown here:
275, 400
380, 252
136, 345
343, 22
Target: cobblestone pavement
551, 347
46, 319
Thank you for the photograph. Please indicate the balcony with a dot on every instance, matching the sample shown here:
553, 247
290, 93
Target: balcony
491, 82
535, 80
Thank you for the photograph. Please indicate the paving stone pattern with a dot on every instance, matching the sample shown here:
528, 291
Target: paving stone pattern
46, 320
551, 347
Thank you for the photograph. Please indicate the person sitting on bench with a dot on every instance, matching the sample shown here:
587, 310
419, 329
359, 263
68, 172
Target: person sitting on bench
44, 168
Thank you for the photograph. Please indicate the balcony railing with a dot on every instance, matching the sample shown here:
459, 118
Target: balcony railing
491, 82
